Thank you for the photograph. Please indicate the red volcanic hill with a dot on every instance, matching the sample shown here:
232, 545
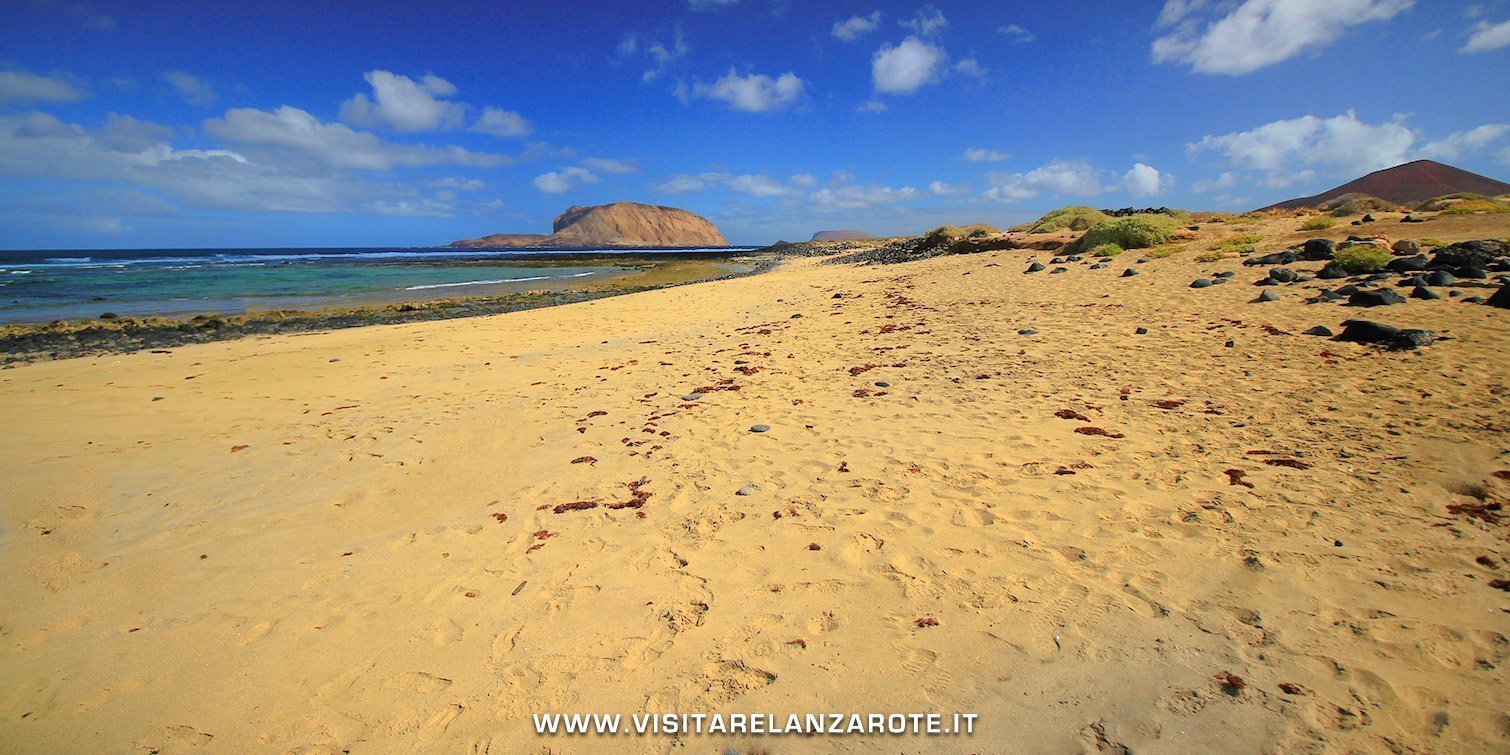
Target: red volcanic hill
1407, 184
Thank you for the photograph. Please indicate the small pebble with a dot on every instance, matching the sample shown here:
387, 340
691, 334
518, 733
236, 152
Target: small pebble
882, 384
692, 397
1027, 332
747, 490
1141, 331
759, 428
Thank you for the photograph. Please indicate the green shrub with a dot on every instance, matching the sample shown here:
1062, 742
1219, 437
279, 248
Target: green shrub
1107, 250
1357, 204
1132, 232
1361, 258
1163, 251
1243, 243
1466, 206
1433, 243
1318, 223
1210, 256
1075, 218
1437, 204
948, 234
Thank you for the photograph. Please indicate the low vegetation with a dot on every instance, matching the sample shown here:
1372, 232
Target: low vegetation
1361, 258
1318, 223
1469, 206
1132, 232
1210, 256
1432, 243
1163, 251
1107, 250
1074, 218
1237, 244
1357, 204
1438, 204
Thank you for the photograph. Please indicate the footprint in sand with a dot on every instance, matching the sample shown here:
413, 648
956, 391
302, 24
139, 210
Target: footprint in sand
256, 633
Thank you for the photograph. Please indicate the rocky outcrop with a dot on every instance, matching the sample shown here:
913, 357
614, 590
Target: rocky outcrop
617, 224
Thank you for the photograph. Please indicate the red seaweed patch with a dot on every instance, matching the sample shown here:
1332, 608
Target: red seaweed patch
1098, 431
1235, 477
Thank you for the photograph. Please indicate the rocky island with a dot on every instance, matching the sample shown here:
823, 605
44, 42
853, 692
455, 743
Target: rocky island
613, 225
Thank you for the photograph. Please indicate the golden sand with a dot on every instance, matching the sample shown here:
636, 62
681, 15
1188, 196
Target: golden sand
348, 540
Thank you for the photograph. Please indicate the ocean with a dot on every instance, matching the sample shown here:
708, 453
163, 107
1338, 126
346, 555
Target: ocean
42, 286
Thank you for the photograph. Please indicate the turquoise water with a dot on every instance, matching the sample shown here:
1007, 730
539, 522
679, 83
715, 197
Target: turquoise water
46, 286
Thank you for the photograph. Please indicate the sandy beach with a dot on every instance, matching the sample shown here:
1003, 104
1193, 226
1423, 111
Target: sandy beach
362, 540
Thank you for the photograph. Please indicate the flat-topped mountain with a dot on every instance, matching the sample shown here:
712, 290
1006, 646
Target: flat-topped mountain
617, 224
1407, 184
842, 236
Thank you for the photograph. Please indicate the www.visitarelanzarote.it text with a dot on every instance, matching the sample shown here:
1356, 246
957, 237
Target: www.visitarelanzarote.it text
674, 724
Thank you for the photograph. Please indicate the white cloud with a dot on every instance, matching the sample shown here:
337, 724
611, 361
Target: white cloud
1176, 10
857, 26
1016, 34
751, 185
1456, 145
610, 165
681, 184
501, 123
558, 181
1260, 33
929, 20
755, 93
191, 88
1226, 180
1343, 143
983, 155
970, 67
460, 184
871, 106
22, 86
947, 190
660, 53
906, 67
853, 197
130, 151
1298, 149
1487, 36
1066, 177
405, 104
1145, 181
290, 129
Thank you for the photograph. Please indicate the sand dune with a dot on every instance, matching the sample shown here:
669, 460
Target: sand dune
349, 540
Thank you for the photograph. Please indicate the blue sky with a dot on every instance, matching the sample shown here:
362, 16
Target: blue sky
224, 124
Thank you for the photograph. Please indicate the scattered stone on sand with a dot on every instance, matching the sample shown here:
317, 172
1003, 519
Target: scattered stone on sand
747, 490
1141, 331
1058, 270
1265, 296
1389, 336
882, 384
1478, 300
1375, 297
1027, 332
1440, 278
1422, 292
1319, 330
692, 397
1129, 272
759, 428
1501, 298
1407, 264
1406, 246
1035, 267
1200, 283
